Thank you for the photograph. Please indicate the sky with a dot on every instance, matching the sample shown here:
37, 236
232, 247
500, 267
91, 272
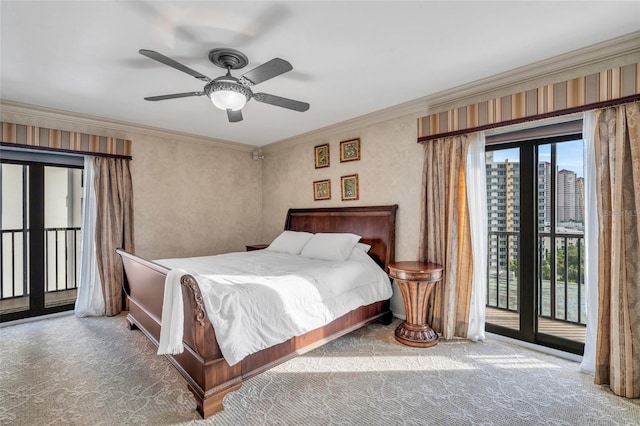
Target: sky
570, 155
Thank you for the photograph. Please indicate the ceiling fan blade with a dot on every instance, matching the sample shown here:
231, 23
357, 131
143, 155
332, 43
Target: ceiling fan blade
173, 96
266, 71
281, 102
234, 116
174, 64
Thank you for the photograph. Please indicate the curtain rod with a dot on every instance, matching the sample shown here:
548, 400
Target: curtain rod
63, 151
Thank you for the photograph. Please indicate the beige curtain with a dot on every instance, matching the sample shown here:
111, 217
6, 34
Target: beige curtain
445, 236
114, 226
617, 146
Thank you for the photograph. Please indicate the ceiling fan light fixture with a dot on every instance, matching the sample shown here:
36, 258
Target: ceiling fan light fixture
228, 99
228, 95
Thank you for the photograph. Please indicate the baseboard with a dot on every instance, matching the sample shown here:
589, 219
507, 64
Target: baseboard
38, 318
550, 351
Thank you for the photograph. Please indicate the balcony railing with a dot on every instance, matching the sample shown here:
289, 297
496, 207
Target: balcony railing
561, 277
62, 254
502, 278
560, 285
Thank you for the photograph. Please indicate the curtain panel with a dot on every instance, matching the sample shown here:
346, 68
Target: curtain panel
590, 120
478, 218
445, 236
617, 146
90, 299
114, 226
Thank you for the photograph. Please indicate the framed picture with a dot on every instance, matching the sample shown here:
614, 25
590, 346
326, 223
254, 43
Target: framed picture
322, 190
322, 156
349, 187
350, 150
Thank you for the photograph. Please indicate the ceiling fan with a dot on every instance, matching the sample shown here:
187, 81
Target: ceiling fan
227, 92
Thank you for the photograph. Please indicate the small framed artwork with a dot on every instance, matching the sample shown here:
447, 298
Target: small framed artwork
322, 156
349, 187
350, 150
322, 190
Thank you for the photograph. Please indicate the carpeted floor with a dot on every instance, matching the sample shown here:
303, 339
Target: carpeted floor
94, 371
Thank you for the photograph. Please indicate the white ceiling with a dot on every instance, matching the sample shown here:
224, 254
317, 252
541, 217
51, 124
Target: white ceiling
349, 58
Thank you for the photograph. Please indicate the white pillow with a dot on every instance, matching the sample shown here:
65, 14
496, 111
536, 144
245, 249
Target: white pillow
290, 242
364, 247
330, 246
360, 251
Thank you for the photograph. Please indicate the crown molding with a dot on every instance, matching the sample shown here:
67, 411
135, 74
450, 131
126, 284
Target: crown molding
619, 51
22, 113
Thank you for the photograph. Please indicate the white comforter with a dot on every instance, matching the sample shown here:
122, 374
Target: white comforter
261, 298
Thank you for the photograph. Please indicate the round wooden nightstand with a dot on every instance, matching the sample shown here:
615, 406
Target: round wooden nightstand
416, 281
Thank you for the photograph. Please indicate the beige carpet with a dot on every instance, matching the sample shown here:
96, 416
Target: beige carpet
94, 371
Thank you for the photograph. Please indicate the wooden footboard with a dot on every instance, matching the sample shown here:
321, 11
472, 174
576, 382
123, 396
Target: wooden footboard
209, 377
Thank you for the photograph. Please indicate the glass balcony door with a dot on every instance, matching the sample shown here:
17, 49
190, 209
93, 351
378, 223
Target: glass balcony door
62, 221
535, 276
561, 251
40, 247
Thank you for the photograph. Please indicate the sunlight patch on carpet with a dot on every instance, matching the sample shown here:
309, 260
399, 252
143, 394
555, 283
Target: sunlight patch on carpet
514, 362
358, 364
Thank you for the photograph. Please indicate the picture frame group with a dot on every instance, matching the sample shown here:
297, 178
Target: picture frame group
349, 185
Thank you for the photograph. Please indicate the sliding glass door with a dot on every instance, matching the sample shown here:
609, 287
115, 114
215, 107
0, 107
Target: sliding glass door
535, 287
40, 247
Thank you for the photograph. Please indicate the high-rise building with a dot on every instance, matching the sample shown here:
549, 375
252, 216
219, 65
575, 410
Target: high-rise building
544, 196
566, 196
579, 199
503, 203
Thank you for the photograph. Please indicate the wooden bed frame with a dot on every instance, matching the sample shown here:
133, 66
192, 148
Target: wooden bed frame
209, 377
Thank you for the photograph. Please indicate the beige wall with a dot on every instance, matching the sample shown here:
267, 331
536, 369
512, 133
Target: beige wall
192, 199
192, 196
389, 172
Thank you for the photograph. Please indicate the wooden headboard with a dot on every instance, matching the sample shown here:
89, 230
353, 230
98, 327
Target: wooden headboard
375, 224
